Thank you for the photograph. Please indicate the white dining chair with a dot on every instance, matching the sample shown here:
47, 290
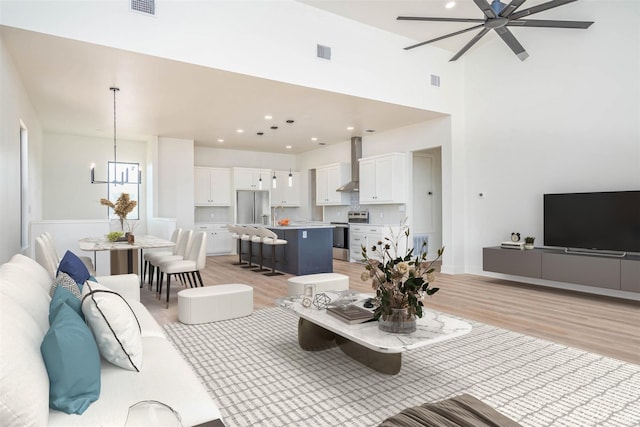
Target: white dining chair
148, 256
183, 246
189, 266
50, 247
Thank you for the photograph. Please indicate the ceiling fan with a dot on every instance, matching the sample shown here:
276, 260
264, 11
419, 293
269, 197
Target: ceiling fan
498, 16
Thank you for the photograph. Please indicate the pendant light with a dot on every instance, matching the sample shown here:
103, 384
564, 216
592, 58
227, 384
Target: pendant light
275, 181
290, 178
124, 176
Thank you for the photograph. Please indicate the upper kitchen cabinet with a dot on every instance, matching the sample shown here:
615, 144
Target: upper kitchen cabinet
283, 195
328, 179
212, 186
383, 179
249, 179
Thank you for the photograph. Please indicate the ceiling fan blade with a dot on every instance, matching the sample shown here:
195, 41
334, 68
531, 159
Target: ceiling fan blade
510, 8
484, 6
540, 8
475, 27
420, 18
470, 44
549, 24
511, 41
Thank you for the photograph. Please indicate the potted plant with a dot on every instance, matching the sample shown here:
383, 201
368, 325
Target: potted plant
528, 242
401, 281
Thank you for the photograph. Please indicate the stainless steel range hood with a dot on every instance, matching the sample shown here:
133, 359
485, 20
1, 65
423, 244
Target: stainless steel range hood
356, 153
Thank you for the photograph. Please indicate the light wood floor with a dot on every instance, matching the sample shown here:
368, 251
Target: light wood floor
602, 325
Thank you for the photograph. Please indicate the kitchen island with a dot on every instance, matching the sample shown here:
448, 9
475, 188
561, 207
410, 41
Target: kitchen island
309, 249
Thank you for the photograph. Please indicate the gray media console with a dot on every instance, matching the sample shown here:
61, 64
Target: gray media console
557, 265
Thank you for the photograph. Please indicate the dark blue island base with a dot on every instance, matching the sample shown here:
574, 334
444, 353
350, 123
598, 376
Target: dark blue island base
308, 250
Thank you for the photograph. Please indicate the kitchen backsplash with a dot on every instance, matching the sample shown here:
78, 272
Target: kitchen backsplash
220, 214
378, 214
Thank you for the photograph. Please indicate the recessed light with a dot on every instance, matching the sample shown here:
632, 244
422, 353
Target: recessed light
260, 133
314, 139
288, 147
289, 121
450, 4
322, 143
350, 128
221, 141
370, 130
274, 127
268, 117
240, 130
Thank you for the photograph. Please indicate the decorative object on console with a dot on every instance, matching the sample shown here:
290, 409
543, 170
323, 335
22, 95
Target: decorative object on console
400, 281
122, 207
528, 242
515, 237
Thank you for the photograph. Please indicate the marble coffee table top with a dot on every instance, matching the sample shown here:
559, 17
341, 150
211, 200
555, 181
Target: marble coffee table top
432, 328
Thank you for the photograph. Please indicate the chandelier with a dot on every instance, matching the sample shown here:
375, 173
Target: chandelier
124, 174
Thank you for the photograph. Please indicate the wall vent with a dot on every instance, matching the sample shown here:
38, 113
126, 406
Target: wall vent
435, 80
144, 6
324, 52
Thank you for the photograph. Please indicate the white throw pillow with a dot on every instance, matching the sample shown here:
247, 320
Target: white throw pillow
114, 326
24, 384
31, 299
34, 269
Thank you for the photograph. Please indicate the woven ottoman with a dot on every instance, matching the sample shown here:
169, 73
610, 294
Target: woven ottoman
323, 282
214, 303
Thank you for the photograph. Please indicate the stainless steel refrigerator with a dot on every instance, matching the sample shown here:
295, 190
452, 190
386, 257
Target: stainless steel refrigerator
252, 206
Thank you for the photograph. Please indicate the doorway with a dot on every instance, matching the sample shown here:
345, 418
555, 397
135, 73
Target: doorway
427, 199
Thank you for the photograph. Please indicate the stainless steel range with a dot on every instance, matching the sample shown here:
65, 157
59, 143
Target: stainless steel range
341, 233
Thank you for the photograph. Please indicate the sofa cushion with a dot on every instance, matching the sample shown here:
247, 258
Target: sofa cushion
31, 298
114, 326
24, 390
33, 269
74, 267
73, 362
62, 296
67, 282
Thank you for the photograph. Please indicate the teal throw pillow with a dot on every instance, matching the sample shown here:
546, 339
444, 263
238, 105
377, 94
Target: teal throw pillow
61, 296
74, 267
73, 362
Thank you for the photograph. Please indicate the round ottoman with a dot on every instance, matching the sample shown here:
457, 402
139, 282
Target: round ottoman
214, 303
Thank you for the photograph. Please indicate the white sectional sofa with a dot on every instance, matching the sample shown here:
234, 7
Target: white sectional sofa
24, 384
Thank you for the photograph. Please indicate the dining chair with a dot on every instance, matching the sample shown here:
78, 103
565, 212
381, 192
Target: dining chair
189, 266
44, 257
157, 254
183, 246
50, 247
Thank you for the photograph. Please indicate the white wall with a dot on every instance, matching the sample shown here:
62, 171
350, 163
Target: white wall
565, 120
254, 38
14, 108
68, 192
176, 181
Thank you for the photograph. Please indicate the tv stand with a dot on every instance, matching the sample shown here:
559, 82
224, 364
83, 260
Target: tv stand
595, 252
555, 264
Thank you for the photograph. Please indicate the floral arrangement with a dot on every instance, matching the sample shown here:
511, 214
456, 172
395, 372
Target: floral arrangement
122, 207
400, 281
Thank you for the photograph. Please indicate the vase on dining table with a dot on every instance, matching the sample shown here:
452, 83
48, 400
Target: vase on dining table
399, 321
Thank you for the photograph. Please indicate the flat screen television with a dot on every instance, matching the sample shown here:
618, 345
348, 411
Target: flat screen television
608, 221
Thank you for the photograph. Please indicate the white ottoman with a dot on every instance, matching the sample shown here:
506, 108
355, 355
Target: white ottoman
213, 303
323, 282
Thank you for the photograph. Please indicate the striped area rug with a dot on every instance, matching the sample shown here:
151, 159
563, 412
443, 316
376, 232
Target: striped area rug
258, 375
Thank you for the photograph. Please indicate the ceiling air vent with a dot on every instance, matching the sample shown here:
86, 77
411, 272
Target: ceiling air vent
144, 6
324, 52
435, 80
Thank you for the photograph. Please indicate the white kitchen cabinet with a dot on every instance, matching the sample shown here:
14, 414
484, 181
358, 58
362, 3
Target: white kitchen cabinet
212, 186
249, 178
328, 179
370, 235
383, 179
219, 241
283, 195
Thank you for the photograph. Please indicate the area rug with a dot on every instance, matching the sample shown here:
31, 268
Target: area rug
258, 376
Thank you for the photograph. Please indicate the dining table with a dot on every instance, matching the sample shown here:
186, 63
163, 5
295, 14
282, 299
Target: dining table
96, 244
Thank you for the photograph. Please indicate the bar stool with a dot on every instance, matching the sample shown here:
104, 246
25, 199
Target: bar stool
237, 234
261, 234
272, 240
249, 232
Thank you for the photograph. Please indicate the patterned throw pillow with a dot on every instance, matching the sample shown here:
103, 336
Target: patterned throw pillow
67, 282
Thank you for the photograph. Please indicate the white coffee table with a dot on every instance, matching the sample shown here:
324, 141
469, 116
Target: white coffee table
364, 342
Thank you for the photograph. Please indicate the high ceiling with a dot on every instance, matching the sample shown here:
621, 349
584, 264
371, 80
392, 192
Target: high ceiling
67, 83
